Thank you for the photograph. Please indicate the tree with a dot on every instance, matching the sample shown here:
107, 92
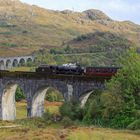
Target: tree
44, 57
119, 105
67, 49
127, 81
126, 85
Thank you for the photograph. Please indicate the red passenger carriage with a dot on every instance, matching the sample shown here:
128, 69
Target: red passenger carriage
101, 71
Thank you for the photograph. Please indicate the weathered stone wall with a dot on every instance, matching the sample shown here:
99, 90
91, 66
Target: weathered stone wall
35, 90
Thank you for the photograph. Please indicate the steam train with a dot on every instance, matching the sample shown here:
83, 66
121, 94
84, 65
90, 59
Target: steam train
70, 69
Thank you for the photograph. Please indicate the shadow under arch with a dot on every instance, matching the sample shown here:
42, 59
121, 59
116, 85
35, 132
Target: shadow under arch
37, 106
15, 63
29, 60
1, 65
22, 62
8, 64
9, 102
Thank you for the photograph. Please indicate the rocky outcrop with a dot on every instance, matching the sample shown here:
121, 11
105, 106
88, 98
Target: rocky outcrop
96, 15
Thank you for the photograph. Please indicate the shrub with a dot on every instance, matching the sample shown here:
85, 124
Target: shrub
111, 104
19, 94
126, 85
66, 110
53, 95
134, 125
47, 117
121, 120
67, 122
92, 109
73, 111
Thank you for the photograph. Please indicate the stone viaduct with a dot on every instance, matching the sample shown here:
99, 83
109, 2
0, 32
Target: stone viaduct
9, 62
35, 86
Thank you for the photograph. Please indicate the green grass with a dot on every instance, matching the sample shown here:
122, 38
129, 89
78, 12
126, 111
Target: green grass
36, 129
23, 68
102, 134
53, 109
21, 110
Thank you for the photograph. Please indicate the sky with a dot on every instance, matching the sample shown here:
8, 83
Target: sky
116, 9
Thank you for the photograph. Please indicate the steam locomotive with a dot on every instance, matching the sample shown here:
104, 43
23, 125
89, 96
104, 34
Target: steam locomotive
70, 69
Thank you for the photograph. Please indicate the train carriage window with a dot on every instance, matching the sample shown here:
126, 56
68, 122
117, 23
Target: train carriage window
103, 70
109, 70
90, 69
115, 70
106, 70
112, 69
93, 70
97, 70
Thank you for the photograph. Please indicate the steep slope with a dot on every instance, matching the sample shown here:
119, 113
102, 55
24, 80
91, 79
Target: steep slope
25, 28
94, 49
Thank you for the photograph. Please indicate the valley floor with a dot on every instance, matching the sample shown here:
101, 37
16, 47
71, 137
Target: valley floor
72, 133
23, 129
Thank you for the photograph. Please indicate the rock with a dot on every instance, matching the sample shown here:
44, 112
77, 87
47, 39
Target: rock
96, 15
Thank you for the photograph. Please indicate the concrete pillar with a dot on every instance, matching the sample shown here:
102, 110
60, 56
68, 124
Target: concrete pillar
84, 99
37, 108
70, 92
25, 59
8, 102
1, 91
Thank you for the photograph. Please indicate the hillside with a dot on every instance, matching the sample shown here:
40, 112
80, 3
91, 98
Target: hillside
25, 28
105, 40
93, 49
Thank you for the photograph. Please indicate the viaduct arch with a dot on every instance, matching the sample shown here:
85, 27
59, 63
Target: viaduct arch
35, 87
10, 62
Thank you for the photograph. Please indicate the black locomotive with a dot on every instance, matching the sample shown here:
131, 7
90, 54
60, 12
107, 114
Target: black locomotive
69, 70
77, 70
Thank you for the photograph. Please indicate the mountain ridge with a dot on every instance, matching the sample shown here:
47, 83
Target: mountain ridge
25, 28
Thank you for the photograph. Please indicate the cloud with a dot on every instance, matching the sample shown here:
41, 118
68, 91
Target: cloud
124, 10
123, 6
120, 9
